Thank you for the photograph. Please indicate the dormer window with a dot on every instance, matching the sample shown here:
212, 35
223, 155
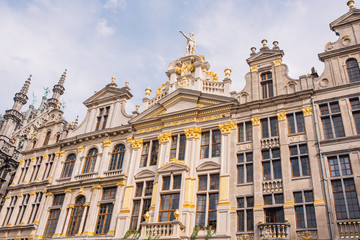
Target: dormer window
102, 118
267, 85
353, 70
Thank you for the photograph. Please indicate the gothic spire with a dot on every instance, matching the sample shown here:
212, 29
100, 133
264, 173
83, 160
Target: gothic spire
58, 90
25, 88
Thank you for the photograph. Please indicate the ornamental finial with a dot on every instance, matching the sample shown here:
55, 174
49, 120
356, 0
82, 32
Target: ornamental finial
351, 4
147, 92
113, 79
227, 72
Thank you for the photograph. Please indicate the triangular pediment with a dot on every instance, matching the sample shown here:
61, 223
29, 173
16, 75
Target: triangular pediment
265, 54
208, 166
145, 174
108, 94
351, 16
173, 166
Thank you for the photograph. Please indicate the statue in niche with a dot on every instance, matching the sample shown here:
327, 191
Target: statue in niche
191, 43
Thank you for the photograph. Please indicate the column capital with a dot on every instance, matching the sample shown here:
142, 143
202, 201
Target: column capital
96, 187
226, 128
107, 143
255, 121
192, 132
80, 148
307, 111
44, 156
164, 137
68, 190
281, 116
137, 143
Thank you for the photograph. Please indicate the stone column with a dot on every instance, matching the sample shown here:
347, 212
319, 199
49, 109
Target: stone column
90, 124
16, 210
164, 141
42, 167
78, 163
59, 164
62, 217
18, 173
30, 170
105, 159
44, 214
346, 118
319, 196
65, 226
82, 223
93, 210
117, 206
41, 209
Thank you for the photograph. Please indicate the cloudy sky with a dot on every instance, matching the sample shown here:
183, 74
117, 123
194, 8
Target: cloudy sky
135, 40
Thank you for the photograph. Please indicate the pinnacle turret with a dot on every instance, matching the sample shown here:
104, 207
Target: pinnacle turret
58, 90
25, 88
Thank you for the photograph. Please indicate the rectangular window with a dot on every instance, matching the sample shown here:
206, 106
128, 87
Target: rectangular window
271, 164
35, 207
22, 208
24, 171
141, 204
109, 193
48, 166
213, 146
269, 127
245, 167
245, 214
245, 131
139, 189
36, 168
148, 157
295, 122
168, 204
304, 209
355, 107
177, 149
54, 215
10, 210
299, 160
267, 85
102, 118
105, 211
331, 120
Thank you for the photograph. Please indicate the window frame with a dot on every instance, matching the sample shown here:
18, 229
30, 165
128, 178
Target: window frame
267, 84
298, 157
103, 221
171, 192
146, 159
355, 110
330, 131
55, 210
77, 213
177, 148
303, 205
90, 161
271, 160
68, 167
102, 118
353, 72
245, 164
246, 209
295, 122
143, 198
117, 158
272, 130
210, 145
245, 131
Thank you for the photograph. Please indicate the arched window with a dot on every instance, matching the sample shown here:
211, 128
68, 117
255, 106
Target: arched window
117, 157
47, 138
90, 161
267, 85
76, 215
353, 70
68, 166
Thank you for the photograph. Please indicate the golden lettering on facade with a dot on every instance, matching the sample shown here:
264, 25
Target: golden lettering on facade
277, 62
254, 68
281, 116
307, 111
255, 121
226, 128
137, 143
80, 148
107, 143
192, 132
164, 137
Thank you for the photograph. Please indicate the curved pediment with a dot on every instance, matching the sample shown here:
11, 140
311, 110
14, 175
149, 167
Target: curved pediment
145, 174
208, 166
173, 166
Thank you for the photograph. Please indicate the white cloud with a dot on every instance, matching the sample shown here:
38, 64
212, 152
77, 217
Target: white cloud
103, 29
114, 4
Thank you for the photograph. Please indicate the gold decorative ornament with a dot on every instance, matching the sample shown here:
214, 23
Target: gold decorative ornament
21, 161
307, 111
174, 160
214, 75
176, 214
111, 231
319, 201
113, 79
61, 153
185, 69
19, 195
288, 204
226, 128
227, 72
126, 84
80, 148
202, 57
125, 211
33, 159
147, 216
137, 143
57, 154
254, 68
147, 92
307, 234
258, 207
81, 190
7, 197
281, 116
351, 4
255, 121
122, 183
32, 193
158, 92
137, 107
13, 184
264, 42
96, 187
45, 156
68, 190
277, 62
192, 132
129, 139
164, 137
107, 143
44, 191
49, 194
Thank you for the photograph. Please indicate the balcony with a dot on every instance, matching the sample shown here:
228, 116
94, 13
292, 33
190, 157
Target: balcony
167, 230
86, 175
349, 229
269, 142
273, 231
113, 173
273, 186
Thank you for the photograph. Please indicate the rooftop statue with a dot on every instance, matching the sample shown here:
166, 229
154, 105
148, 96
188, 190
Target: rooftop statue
191, 43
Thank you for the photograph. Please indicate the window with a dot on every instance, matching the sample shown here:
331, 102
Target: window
331, 120
245, 132
245, 167
105, 211
47, 138
213, 146
245, 214
10, 210
355, 107
170, 197
90, 161
117, 157
304, 209
295, 122
68, 166
177, 149
35, 207
48, 166
146, 154
36, 168
141, 203
299, 160
24, 171
54, 215
267, 85
273, 199
76, 216
102, 118
22, 208
207, 200
271, 164
353, 70
343, 185
269, 127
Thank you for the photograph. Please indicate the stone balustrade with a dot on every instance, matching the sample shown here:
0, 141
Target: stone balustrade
270, 142
273, 231
349, 229
162, 229
63, 180
273, 186
213, 87
86, 175
112, 173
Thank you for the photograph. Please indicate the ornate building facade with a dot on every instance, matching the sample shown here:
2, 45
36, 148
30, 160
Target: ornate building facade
277, 160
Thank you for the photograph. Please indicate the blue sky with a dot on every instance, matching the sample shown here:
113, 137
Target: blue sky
135, 40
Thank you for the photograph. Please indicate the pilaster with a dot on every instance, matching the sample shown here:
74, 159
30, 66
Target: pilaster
93, 210
44, 215
117, 207
16, 210
29, 208
61, 222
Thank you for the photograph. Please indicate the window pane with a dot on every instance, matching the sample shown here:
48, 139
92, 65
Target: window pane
291, 123
345, 165
240, 203
266, 171
300, 122
214, 181
277, 169
328, 133
268, 200
300, 217
249, 202
274, 127
298, 198
241, 221
338, 126
339, 199
241, 174
310, 215
203, 183
264, 128
166, 183
334, 166
248, 127
309, 196
177, 182
305, 166
241, 133
249, 173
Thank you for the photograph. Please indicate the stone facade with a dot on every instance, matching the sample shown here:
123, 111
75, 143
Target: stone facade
277, 160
